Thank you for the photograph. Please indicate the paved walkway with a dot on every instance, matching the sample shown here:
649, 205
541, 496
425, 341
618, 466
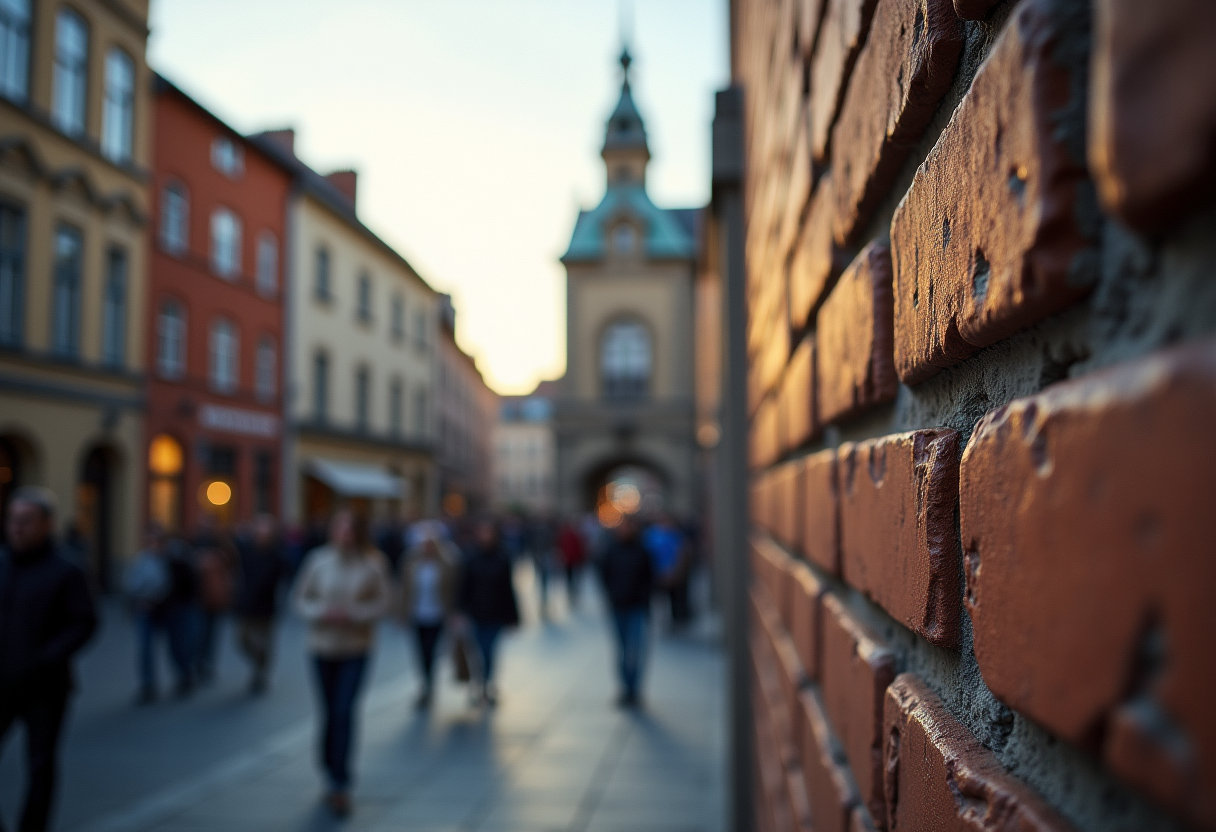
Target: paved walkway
553, 756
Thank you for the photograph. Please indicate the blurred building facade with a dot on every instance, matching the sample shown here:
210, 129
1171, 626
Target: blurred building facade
361, 362
525, 455
215, 315
465, 412
74, 159
626, 401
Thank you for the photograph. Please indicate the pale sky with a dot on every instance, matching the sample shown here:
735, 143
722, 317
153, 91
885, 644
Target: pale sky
475, 126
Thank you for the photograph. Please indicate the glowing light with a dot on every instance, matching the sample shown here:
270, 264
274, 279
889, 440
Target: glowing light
610, 517
454, 504
219, 493
626, 498
165, 456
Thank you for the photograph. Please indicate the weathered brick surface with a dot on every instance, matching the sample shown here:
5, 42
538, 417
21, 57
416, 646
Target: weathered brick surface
772, 805
809, 20
806, 593
855, 672
813, 266
939, 778
789, 500
1088, 527
1153, 109
797, 399
841, 36
820, 511
772, 566
763, 438
799, 802
860, 820
898, 540
903, 71
994, 233
855, 362
768, 699
790, 673
829, 783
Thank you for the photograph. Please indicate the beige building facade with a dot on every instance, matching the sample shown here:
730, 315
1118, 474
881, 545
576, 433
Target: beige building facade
525, 461
361, 361
626, 403
74, 158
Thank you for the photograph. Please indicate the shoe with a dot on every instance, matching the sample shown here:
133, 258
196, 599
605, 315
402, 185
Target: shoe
338, 804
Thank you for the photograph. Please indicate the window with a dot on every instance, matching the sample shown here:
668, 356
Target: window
174, 218
118, 114
12, 275
225, 352
363, 307
396, 407
397, 314
171, 340
625, 359
15, 49
323, 288
624, 238
227, 157
266, 369
71, 72
65, 297
114, 309
363, 394
268, 264
225, 243
420, 329
320, 387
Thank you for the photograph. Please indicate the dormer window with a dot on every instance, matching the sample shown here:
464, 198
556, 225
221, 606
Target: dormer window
227, 157
624, 239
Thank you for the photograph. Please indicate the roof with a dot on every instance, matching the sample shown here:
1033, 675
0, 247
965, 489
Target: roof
625, 128
669, 234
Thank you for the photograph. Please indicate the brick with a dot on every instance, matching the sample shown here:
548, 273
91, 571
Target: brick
1087, 526
799, 802
806, 593
853, 339
829, 783
904, 69
820, 511
841, 36
997, 230
768, 702
1153, 109
808, 25
973, 9
813, 265
787, 482
771, 802
939, 778
798, 422
855, 672
860, 820
790, 673
773, 567
898, 540
763, 438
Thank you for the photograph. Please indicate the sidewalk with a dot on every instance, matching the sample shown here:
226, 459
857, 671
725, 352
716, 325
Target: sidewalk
555, 755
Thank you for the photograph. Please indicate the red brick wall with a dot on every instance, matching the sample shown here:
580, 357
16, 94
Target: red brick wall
981, 268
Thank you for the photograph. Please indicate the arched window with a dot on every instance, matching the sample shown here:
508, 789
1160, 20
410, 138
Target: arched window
225, 351
15, 49
225, 243
171, 340
118, 114
174, 218
266, 372
70, 76
625, 359
268, 264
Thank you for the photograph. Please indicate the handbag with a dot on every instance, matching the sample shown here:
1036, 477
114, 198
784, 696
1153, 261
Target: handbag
460, 659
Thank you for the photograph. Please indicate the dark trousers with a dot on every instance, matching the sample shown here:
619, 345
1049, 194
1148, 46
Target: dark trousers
42, 713
630, 628
486, 636
574, 572
681, 610
208, 628
339, 681
428, 638
256, 637
173, 624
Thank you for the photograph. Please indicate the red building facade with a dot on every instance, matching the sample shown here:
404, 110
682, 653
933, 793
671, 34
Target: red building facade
215, 320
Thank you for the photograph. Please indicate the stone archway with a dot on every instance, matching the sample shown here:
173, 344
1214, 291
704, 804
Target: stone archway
638, 478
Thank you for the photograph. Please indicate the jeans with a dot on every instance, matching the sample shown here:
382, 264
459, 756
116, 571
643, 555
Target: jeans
43, 715
486, 636
174, 624
428, 639
630, 626
339, 681
208, 625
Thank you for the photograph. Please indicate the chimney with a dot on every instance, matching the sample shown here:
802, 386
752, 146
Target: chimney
284, 139
345, 181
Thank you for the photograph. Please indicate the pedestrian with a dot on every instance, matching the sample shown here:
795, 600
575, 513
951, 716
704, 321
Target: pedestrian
342, 592
46, 615
153, 585
540, 547
487, 598
262, 563
628, 577
573, 553
671, 556
428, 588
214, 558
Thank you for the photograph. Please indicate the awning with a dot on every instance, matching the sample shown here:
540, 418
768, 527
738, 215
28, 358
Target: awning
350, 479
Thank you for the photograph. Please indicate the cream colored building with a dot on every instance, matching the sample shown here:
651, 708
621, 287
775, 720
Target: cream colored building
74, 158
361, 332
626, 404
525, 461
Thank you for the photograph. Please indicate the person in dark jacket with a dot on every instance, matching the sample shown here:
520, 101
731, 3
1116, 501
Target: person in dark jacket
628, 577
46, 615
487, 598
262, 563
